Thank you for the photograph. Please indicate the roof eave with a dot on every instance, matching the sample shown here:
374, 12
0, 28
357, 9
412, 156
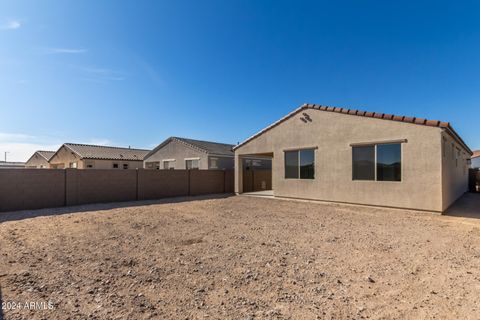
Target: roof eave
276, 123
381, 116
67, 147
112, 159
449, 129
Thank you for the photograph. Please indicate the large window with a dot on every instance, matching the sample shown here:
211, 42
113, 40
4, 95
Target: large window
168, 164
191, 164
213, 163
364, 163
381, 162
300, 164
152, 165
389, 162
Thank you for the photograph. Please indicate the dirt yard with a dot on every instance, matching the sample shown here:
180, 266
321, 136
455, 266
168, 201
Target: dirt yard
239, 258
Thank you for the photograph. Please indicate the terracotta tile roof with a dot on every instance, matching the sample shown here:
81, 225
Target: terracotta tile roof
476, 154
377, 115
87, 151
214, 148
46, 154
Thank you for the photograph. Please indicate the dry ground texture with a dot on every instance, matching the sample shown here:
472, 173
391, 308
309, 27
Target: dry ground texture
241, 258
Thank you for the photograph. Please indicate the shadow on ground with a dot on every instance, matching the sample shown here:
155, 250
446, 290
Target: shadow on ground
28, 214
467, 206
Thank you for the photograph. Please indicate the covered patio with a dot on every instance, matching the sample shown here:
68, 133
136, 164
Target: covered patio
253, 174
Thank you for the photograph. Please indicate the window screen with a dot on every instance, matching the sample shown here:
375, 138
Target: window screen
364, 163
168, 165
381, 162
300, 164
389, 162
191, 164
213, 163
291, 165
307, 164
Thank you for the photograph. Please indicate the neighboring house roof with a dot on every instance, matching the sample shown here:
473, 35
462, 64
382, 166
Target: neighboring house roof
6, 165
209, 147
46, 154
87, 151
476, 154
377, 115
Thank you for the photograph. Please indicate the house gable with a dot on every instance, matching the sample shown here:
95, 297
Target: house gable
364, 114
171, 149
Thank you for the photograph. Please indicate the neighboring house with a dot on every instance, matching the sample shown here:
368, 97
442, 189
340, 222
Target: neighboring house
84, 156
40, 160
476, 160
12, 165
182, 153
351, 156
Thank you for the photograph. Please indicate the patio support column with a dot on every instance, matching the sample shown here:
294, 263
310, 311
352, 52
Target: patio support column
238, 174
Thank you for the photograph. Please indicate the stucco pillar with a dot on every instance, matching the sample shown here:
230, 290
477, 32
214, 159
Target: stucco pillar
238, 174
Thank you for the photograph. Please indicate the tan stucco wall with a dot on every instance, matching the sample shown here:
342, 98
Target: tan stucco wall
332, 133
178, 151
37, 161
108, 164
64, 157
454, 173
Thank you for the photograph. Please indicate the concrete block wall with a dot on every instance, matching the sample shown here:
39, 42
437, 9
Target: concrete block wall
206, 182
102, 185
229, 181
157, 184
24, 189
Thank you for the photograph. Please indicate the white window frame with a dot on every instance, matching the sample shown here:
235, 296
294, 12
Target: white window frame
191, 159
213, 160
168, 160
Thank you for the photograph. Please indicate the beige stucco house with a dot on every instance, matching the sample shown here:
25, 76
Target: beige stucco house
352, 156
40, 160
84, 156
184, 153
476, 160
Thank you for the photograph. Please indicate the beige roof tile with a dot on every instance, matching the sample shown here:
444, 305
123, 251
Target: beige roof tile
87, 151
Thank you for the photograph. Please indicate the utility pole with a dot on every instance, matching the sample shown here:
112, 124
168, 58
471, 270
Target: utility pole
6, 155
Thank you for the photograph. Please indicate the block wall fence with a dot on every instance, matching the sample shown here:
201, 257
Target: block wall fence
25, 189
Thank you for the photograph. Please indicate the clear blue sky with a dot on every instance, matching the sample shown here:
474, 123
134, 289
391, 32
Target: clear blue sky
135, 72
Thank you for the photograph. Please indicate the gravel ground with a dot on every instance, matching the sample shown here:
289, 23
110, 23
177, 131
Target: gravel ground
239, 258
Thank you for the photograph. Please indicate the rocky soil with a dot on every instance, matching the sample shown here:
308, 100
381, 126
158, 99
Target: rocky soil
239, 258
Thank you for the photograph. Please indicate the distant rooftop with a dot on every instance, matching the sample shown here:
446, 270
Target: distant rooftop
46, 154
88, 151
216, 148
8, 164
